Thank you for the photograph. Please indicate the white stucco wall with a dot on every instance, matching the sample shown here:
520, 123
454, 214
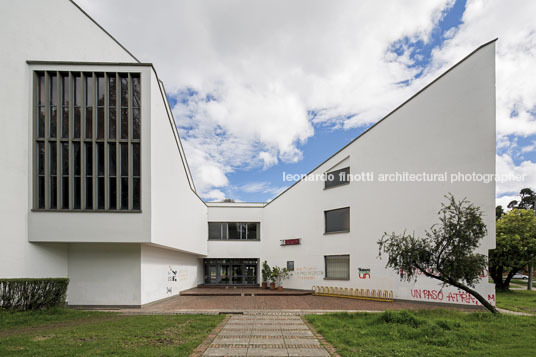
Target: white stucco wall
35, 30
166, 272
104, 274
236, 212
450, 126
178, 215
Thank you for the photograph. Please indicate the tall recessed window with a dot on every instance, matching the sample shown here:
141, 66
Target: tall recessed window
337, 267
87, 133
337, 220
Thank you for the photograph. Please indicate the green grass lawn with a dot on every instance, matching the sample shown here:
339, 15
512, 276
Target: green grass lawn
67, 332
428, 333
522, 282
517, 300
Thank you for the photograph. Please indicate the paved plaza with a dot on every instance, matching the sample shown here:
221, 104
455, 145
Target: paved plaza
265, 335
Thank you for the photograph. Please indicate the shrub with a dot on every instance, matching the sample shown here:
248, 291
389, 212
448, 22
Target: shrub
32, 294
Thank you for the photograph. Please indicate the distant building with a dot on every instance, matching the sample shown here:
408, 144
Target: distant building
95, 185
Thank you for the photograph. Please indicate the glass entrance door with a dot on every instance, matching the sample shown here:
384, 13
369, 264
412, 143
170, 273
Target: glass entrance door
231, 271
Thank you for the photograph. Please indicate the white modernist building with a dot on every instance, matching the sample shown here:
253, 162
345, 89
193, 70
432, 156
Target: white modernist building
95, 185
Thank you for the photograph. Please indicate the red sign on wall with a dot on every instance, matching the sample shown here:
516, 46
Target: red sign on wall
294, 241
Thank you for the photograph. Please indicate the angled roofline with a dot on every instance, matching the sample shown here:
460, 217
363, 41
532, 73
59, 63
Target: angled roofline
386, 116
106, 32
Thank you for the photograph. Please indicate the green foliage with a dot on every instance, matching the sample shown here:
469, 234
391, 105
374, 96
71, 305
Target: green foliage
515, 245
69, 332
446, 252
427, 333
527, 200
266, 271
32, 294
279, 274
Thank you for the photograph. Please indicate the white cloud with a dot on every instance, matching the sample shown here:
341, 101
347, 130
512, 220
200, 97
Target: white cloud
255, 70
505, 165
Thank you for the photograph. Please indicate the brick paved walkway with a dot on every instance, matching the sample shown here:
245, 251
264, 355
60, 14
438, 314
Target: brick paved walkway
265, 335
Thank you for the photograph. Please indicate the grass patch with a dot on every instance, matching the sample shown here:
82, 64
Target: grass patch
523, 283
67, 332
517, 300
427, 333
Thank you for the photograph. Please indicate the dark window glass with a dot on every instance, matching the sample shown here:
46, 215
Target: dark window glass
53, 90
337, 220
41, 192
65, 122
337, 267
53, 158
100, 159
100, 192
337, 177
136, 123
41, 89
65, 175
124, 193
111, 121
124, 123
136, 91
76, 123
40, 158
77, 194
89, 90
112, 90
41, 123
100, 90
77, 89
136, 160
111, 160
136, 199
124, 91
65, 90
100, 122
234, 230
252, 230
89, 176
214, 230
124, 159
112, 173
89, 122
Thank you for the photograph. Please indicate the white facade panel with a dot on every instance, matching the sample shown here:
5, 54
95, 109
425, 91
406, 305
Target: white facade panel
165, 272
104, 274
35, 30
178, 215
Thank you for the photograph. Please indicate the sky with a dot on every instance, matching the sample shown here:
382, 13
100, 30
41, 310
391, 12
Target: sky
262, 88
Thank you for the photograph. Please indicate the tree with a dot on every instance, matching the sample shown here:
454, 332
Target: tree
527, 200
446, 252
499, 211
228, 200
515, 246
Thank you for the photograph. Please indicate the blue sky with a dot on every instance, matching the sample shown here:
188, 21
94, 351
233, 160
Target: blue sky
258, 89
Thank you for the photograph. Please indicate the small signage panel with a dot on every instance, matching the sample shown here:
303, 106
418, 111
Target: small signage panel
293, 241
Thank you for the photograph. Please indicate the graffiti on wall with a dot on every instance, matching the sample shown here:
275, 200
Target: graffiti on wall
172, 274
308, 273
459, 296
363, 273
